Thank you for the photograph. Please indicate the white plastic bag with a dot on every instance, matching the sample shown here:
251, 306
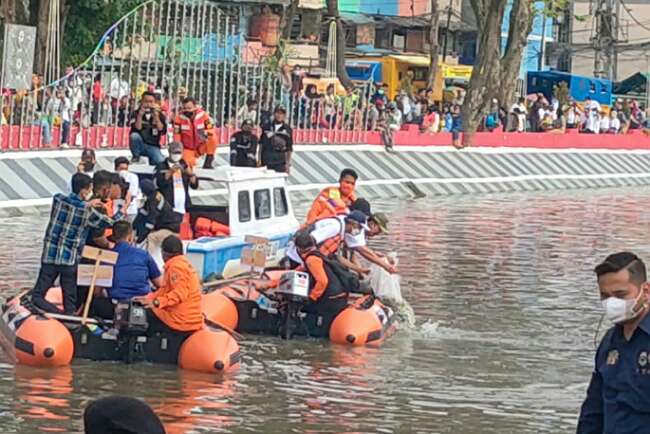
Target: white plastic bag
386, 286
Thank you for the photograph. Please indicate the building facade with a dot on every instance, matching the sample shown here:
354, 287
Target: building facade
630, 48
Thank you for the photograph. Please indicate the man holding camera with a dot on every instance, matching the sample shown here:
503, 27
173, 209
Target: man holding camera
148, 127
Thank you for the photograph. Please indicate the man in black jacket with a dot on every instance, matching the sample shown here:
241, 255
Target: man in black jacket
156, 219
173, 179
277, 142
243, 146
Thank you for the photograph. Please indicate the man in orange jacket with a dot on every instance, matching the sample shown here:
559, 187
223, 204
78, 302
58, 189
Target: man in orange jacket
177, 304
193, 128
334, 201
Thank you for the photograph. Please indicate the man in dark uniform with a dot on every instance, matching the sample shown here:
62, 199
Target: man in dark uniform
618, 397
243, 146
277, 142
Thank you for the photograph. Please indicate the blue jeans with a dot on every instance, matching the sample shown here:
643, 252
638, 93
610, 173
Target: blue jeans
45, 130
140, 148
65, 132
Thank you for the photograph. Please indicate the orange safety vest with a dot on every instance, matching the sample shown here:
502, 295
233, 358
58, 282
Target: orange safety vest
108, 205
192, 133
179, 297
329, 203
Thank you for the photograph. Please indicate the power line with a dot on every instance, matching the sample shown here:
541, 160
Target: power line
629, 12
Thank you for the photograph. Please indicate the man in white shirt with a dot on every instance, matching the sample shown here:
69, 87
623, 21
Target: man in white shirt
60, 107
614, 122
134, 194
604, 123
592, 110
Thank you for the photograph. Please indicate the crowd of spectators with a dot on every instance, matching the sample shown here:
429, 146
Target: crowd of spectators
81, 100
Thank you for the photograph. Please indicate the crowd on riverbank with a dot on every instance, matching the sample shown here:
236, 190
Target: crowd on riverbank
81, 101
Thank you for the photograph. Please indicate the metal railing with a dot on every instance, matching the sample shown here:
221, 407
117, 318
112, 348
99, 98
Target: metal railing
175, 48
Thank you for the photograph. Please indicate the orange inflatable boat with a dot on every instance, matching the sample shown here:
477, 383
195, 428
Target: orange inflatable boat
239, 306
49, 340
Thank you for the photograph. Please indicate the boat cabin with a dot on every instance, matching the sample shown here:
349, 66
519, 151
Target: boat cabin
242, 201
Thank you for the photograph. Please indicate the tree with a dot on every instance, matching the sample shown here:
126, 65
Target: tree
434, 46
521, 24
495, 73
341, 72
485, 77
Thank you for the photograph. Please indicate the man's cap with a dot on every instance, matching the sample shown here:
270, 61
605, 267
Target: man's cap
147, 187
175, 148
358, 217
361, 205
380, 220
280, 109
88, 154
247, 123
121, 414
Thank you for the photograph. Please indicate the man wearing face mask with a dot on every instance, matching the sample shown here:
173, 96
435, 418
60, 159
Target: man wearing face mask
618, 397
194, 129
70, 219
330, 234
243, 146
134, 194
333, 201
277, 142
86, 165
174, 177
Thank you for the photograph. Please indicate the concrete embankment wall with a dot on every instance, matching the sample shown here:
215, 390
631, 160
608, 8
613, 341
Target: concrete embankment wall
29, 179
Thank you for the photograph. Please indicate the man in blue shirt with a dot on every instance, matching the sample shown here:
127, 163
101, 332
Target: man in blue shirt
618, 397
70, 220
135, 267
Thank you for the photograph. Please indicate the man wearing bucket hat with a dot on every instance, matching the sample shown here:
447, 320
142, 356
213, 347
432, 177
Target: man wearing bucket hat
377, 224
243, 146
277, 142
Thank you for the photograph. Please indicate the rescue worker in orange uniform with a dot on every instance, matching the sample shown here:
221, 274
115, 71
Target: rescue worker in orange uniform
194, 128
334, 201
176, 306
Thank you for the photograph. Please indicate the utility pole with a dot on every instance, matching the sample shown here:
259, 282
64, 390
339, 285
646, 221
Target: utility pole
606, 39
542, 51
444, 44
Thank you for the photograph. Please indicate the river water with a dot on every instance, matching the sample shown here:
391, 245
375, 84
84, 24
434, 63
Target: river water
506, 307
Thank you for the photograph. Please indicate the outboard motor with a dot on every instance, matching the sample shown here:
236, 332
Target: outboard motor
131, 318
294, 291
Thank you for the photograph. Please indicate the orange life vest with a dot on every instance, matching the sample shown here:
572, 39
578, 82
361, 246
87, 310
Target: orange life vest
329, 203
193, 133
204, 227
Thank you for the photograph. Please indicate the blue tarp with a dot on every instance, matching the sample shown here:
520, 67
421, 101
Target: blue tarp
580, 87
364, 70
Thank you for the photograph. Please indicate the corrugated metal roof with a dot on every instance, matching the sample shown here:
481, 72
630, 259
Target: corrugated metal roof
354, 18
416, 21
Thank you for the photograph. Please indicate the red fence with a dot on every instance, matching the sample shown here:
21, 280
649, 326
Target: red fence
26, 138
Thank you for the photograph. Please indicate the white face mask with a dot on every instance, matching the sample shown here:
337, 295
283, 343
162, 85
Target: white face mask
618, 310
355, 231
123, 173
89, 196
175, 157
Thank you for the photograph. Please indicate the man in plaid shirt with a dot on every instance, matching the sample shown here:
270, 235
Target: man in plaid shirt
70, 220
